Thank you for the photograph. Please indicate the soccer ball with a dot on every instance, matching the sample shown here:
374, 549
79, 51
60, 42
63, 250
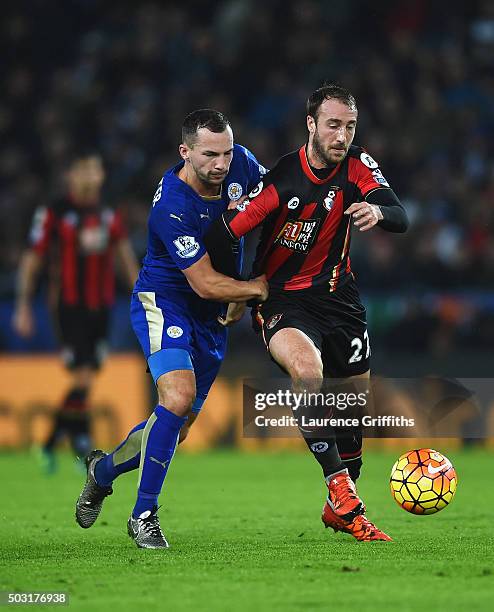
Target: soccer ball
423, 481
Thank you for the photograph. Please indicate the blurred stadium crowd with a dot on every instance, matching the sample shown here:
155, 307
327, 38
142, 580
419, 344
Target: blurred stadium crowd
123, 75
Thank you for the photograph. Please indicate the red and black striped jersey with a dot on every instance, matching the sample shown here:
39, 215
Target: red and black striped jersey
305, 237
81, 239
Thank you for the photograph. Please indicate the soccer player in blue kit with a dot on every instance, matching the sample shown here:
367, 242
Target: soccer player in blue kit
179, 315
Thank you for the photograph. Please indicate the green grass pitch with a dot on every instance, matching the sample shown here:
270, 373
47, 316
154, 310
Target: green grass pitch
245, 534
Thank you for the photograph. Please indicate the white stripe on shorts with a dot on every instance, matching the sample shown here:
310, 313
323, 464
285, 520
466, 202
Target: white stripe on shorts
155, 319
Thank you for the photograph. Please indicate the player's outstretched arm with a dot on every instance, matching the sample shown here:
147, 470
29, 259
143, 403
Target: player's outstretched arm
211, 285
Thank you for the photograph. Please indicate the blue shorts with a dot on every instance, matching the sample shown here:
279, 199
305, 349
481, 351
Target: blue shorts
180, 334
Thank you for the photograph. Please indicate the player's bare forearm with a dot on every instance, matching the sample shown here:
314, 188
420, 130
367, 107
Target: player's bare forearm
28, 272
220, 288
128, 261
23, 320
211, 285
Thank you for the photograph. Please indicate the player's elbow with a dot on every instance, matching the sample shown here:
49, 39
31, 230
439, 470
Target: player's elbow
206, 293
403, 224
398, 227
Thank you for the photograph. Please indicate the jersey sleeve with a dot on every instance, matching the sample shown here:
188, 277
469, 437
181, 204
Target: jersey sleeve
250, 213
42, 229
180, 234
395, 218
375, 189
367, 175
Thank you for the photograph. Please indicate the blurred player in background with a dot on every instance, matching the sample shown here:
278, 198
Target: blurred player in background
80, 236
314, 324
179, 314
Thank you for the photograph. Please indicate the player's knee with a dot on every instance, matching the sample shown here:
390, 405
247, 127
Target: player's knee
82, 378
177, 400
306, 374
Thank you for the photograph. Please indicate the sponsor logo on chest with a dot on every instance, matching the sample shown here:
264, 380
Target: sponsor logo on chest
92, 232
93, 240
298, 235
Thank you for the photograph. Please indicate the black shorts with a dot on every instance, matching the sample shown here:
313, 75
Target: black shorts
335, 322
83, 334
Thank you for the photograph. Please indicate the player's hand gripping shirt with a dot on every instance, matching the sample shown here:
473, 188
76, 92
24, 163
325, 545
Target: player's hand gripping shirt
305, 238
179, 219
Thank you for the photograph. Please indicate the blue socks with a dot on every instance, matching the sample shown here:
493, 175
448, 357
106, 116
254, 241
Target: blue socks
125, 458
159, 441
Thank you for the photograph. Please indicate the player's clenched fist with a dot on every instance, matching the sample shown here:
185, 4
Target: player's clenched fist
23, 321
262, 285
365, 215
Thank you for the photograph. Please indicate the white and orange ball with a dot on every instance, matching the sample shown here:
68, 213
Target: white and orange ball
423, 481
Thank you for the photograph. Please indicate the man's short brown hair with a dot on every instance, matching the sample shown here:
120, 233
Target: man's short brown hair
329, 92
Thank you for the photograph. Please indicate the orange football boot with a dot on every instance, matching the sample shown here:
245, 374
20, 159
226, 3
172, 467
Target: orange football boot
343, 499
360, 527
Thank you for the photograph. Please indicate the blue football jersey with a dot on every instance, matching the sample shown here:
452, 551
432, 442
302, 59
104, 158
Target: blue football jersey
179, 219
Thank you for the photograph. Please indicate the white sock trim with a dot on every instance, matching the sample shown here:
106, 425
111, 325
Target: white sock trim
330, 476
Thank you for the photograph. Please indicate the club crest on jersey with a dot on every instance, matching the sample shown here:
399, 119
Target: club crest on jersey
93, 240
298, 235
367, 160
330, 198
186, 246
379, 178
235, 191
271, 322
174, 331
71, 219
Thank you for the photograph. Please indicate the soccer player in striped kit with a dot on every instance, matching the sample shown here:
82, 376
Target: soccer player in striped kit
313, 323
79, 236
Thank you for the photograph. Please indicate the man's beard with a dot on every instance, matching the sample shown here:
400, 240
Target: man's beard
206, 179
320, 153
